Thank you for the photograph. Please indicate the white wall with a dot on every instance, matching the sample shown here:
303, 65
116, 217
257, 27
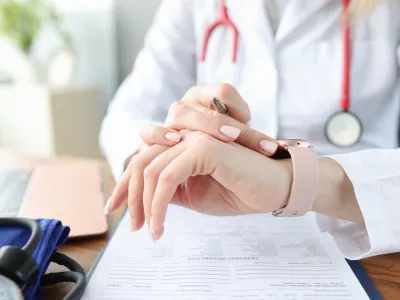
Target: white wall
93, 29
133, 18
108, 34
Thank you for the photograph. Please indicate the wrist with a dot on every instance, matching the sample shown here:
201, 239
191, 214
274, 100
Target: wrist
302, 185
331, 187
332, 180
285, 183
335, 196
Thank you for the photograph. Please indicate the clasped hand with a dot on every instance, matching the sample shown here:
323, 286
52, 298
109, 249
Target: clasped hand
204, 161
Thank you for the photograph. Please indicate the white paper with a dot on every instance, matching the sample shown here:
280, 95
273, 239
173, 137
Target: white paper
204, 257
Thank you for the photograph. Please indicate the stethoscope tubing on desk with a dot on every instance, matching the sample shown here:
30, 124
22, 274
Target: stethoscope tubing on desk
31, 225
24, 268
17, 264
76, 275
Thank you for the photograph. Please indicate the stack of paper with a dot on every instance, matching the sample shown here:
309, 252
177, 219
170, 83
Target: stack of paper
205, 257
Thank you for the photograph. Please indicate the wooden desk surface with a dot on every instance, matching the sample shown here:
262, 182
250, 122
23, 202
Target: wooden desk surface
383, 270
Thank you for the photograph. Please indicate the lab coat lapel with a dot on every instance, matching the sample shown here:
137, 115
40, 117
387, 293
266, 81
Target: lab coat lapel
297, 13
252, 17
258, 85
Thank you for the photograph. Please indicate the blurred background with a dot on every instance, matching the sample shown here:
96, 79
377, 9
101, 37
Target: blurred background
61, 62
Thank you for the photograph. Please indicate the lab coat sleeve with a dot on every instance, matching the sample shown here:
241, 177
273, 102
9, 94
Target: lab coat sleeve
375, 175
164, 70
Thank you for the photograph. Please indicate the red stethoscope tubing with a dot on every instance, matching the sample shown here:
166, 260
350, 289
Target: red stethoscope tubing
345, 101
223, 19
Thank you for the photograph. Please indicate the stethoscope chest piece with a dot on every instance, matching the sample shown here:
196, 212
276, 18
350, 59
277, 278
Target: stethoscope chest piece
9, 290
343, 129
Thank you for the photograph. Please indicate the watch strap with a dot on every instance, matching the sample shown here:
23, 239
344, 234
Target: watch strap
304, 185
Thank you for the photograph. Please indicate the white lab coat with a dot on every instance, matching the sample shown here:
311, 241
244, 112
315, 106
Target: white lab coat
292, 83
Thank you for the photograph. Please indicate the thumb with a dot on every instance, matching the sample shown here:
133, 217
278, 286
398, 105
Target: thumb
237, 107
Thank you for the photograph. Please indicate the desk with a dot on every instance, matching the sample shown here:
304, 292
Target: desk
383, 270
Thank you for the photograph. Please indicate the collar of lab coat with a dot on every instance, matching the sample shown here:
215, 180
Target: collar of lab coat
297, 14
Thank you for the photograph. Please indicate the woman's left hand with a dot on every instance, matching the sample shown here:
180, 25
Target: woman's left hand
202, 174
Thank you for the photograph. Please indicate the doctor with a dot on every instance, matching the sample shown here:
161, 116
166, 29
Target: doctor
303, 74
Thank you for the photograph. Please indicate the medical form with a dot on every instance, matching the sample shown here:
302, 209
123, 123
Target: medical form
210, 258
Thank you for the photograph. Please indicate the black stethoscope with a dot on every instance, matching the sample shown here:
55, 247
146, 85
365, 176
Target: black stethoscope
343, 128
18, 269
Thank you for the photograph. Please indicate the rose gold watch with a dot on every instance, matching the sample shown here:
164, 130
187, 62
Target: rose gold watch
305, 178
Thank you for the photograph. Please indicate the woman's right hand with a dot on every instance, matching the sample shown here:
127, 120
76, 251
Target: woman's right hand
196, 112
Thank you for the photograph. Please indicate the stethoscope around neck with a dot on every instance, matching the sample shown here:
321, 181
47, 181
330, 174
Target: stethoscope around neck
18, 269
342, 129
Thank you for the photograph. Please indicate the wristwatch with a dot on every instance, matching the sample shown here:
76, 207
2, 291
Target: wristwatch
305, 178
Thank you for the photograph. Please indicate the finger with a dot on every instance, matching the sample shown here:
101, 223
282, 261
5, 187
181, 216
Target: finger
119, 193
229, 96
151, 175
182, 116
221, 127
153, 134
136, 185
177, 172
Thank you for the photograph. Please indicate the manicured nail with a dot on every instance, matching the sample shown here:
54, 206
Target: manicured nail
134, 226
173, 137
230, 131
155, 233
152, 229
268, 146
107, 207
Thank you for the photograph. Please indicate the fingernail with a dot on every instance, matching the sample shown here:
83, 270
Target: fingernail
173, 137
155, 233
134, 226
152, 229
107, 207
268, 146
230, 131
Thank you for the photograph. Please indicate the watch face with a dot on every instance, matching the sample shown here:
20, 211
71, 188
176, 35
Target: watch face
296, 143
283, 154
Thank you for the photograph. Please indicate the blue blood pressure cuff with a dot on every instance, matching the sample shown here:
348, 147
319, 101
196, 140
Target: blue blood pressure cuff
54, 235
